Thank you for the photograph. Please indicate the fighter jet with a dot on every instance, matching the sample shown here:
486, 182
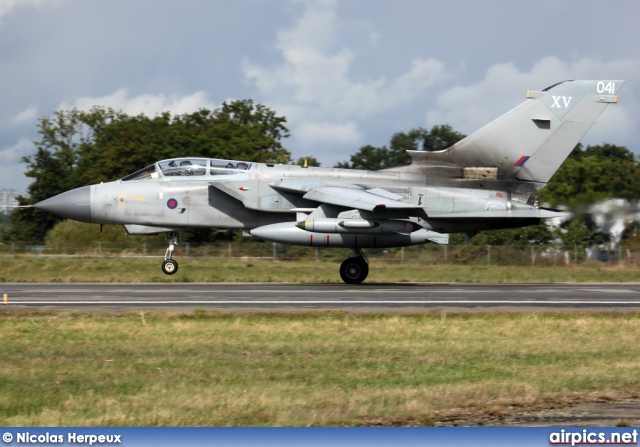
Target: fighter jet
485, 181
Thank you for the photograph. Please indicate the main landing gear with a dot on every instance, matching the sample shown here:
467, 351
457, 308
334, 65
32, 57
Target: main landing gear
169, 266
354, 269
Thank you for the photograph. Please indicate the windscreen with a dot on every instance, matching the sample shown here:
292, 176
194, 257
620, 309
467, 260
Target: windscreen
142, 174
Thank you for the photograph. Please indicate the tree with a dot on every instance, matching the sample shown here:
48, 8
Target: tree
609, 151
594, 174
538, 235
441, 137
631, 236
5, 221
369, 157
238, 130
308, 161
374, 158
69, 235
580, 232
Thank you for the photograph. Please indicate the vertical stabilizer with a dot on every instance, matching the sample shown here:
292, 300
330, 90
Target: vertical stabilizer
576, 105
530, 142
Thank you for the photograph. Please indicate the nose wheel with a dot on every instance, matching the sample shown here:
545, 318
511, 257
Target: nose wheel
355, 269
169, 266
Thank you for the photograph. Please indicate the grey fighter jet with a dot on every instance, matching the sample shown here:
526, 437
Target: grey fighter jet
485, 181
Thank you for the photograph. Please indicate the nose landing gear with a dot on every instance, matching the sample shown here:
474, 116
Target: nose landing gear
169, 266
354, 269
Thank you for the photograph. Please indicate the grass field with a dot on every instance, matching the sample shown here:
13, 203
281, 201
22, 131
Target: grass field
308, 369
116, 269
216, 369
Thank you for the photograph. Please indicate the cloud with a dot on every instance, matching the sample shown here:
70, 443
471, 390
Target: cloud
14, 153
329, 132
7, 7
467, 108
146, 104
315, 86
27, 115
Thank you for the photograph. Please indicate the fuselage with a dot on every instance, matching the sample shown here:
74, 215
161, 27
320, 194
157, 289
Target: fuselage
216, 197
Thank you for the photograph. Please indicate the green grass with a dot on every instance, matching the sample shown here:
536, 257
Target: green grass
116, 269
318, 369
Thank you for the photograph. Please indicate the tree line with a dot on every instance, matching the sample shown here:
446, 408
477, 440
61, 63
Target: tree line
78, 148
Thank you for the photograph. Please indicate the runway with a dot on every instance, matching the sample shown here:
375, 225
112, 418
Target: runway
368, 297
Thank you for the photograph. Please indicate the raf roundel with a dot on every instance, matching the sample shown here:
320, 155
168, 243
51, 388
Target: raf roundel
172, 204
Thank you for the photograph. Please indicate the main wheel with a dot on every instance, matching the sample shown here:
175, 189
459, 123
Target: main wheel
354, 270
169, 267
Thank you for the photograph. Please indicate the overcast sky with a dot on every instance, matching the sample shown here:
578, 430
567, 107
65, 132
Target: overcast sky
344, 73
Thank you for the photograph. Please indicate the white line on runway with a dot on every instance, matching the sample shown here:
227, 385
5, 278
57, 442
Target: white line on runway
424, 291
349, 302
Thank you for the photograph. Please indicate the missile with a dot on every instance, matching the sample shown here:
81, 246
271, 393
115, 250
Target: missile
363, 226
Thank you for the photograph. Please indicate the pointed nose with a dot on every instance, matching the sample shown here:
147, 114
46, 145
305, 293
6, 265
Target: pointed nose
74, 204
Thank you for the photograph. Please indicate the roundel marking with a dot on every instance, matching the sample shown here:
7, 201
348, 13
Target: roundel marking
172, 203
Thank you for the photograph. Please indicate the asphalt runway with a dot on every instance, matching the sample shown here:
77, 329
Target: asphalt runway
368, 297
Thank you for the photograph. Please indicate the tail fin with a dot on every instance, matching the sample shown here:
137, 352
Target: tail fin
530, 142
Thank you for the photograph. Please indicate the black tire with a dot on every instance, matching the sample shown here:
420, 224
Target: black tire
354, 270
169, 267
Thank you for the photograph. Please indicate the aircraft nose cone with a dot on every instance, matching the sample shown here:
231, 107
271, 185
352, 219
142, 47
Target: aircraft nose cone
74, 204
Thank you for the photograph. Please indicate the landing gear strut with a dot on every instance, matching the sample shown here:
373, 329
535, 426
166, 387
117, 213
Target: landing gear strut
354, 269
169, 266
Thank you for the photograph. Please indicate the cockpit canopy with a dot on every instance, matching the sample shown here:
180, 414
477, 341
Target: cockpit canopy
190, 167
